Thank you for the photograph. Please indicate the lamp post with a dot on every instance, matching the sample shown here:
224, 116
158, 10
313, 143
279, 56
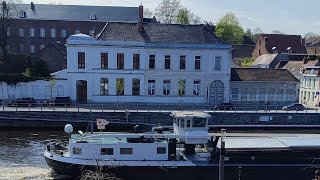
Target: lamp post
222, 153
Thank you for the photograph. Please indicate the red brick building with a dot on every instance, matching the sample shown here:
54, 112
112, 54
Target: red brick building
279, 43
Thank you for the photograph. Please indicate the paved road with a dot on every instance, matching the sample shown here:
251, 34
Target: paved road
81, 109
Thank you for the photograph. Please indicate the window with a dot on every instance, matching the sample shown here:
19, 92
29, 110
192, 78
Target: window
161, 150
196, 88
42, 46
93, 16
167, 61
280, 95
104, 60
32, 32
197, 62
120, 86
234, 94
252, 94
135, 87
152, 61
126, 151
32, 48
217, 63
136, 61
81, 60
77, 31
63, 33
8, 31
21, 32
53, 32
42, 32
244, 94
271, 94
91, 32
120, 61
181, 87
166, 87
21, 48
104, 86
23, 14
76, 151
182, 62
151, 87
106, 151
314, 83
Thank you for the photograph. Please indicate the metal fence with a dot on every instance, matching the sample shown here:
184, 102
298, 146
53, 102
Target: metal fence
120, 107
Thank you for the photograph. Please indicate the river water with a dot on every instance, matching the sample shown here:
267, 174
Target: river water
21, 154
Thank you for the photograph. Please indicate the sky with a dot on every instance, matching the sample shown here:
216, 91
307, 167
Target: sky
288, 16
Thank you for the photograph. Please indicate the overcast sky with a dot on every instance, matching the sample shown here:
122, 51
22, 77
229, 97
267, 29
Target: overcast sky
288, 16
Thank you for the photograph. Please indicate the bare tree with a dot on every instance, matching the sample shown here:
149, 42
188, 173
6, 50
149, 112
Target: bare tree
8, 11
147, 13
167, 11
277, 32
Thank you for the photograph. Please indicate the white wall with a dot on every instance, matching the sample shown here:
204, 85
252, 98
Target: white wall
92, 72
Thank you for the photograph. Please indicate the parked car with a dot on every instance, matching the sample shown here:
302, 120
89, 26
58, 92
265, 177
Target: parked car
224, 106
23, 102
58, 101
294, 106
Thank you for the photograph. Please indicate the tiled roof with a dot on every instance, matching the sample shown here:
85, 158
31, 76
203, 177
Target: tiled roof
264, 59
79, 13
242, 51
282, 42
159, 33
262, 75
291, 65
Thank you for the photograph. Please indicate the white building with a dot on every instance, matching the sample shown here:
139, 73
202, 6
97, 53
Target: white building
310, 84
149, 63
143, 63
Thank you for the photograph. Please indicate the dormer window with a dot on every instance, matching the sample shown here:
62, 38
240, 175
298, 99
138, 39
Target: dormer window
93, 16
23, 14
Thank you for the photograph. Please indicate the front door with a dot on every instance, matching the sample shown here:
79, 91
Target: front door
216, 95
82, 91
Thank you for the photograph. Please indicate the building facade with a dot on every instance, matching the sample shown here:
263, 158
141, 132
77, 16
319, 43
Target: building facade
36, 25
257, 86
149, 63
310, 84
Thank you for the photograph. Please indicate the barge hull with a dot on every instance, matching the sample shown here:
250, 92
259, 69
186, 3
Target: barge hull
232, 172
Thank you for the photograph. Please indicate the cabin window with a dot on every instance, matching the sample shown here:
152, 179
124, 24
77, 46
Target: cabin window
181, 122
199, 122
106, 151
188, 123
76, 151
126, 151
161, 150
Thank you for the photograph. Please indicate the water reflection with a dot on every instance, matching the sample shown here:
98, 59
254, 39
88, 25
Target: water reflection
21, 154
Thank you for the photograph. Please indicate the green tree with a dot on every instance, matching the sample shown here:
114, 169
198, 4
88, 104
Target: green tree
52, 87
120, 86
229, 29
181, 87
27, 73
183, 16
246, 62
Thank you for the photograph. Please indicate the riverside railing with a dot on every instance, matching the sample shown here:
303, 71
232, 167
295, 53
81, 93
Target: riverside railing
117, 107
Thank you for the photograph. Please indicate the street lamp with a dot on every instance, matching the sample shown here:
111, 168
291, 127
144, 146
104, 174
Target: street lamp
222, 153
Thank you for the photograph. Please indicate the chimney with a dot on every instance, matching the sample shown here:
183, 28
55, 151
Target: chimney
32, 6
303, 42
140, 23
